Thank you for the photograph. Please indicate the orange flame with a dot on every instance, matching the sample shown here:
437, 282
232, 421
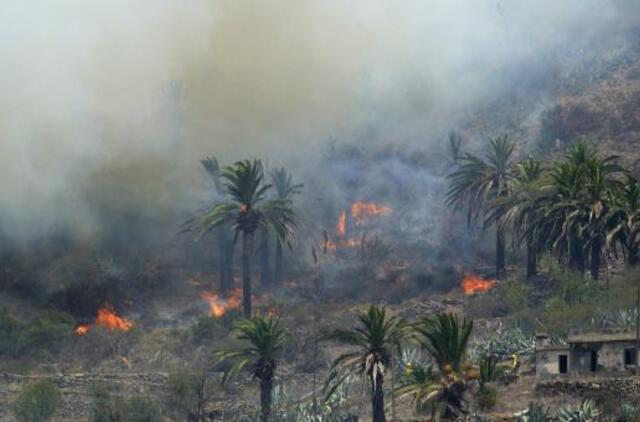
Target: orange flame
362, 211
81, 329
472, 284
219, 306
108, 318
341, 228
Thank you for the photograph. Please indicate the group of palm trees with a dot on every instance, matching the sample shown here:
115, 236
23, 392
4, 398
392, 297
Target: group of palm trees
581, 206
376, 342
245, 208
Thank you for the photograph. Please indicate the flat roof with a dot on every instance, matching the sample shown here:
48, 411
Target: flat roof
601, 337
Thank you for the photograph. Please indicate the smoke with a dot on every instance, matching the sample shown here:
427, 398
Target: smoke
107, 106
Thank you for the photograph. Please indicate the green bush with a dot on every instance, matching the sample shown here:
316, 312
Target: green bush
516, 295
107, 408
47, 331
189, 394
37, 402
206, 329
487, 397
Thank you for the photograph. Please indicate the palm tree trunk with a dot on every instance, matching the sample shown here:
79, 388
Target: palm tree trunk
634, 255
278, 265
377, 400
223, 243
596, 251
265, 267
229, 282
532, 258
500, 251
266, 388
576, 260
247, 252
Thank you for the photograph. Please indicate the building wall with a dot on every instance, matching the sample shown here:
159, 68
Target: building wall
547, 361
610, 356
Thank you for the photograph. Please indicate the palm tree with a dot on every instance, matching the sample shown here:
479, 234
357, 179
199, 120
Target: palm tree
247, 211
445, 338
477, 181
574, 205
211, 166
285, 189
376, 338
625, 219
517, 211
266, 339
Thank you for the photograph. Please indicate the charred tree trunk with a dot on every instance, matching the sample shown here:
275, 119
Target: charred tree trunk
634, 255
266, 388
596, 252
500, 252
247, 252
532, 258
265, 267
277, 275
229, 257
377, 400
224, 270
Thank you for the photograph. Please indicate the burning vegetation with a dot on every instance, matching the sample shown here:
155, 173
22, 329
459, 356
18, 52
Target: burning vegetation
108, 318
221, 305
472, 284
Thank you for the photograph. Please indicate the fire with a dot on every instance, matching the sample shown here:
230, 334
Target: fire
472, 284
362, 211
219, 305
81, 329
108, 318
341, 228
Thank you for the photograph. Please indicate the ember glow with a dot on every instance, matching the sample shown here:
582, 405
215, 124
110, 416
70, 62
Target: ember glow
341, 227
472, 284
81, 329
219, 305
363, 211
108, 318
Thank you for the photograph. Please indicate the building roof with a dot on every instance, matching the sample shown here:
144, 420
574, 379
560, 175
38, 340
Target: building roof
601, 336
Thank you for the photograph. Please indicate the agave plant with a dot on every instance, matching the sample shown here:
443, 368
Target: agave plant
504, 343
489, 370
629, 412
536, 412
584, 412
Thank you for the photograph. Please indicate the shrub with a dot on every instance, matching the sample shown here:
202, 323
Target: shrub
487, 397
107, 408
37, 402
47, 331
189, 394
206, 329
515, 295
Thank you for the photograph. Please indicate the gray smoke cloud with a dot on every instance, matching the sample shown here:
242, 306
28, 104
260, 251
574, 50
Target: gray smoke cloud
107, 106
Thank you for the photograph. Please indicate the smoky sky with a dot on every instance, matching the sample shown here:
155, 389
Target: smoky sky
106, 107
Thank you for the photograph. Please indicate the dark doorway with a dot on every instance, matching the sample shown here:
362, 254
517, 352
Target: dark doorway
563, 366
594, 361
629, 356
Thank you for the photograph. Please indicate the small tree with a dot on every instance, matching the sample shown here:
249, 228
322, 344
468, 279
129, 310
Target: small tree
266, 340
37, 402
376, 339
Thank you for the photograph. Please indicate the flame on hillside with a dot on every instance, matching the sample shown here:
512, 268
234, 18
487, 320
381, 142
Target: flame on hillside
108, 318
221, 305
363, 211
472, 283
341, 227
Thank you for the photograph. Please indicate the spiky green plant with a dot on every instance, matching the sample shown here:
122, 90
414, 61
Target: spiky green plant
265, 339
445, 337
489, 370
587, 411
536, 412
246, 211
477, 181
375, 340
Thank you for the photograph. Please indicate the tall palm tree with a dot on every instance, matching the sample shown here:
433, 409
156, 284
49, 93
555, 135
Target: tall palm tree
477, 181
376, 339
247, 211
517, 211
625, 219
574, 206
285, 189
266, 339
226, 244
